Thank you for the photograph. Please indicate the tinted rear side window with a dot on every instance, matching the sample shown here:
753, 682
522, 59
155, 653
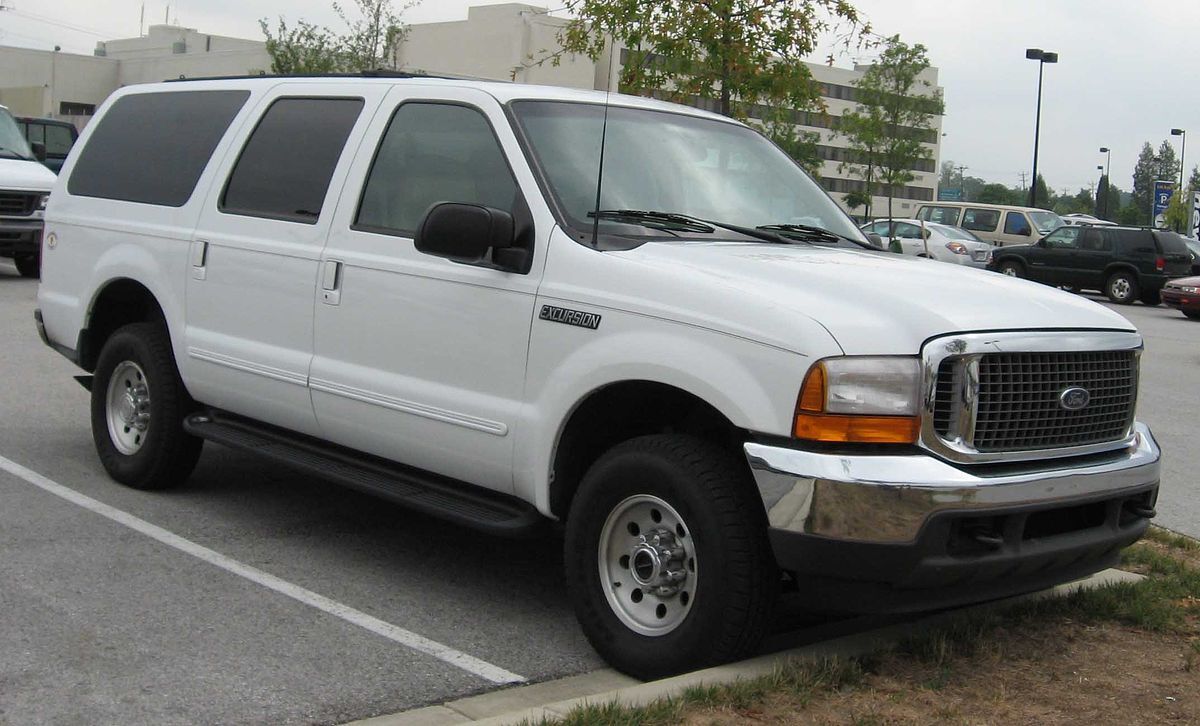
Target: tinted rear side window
1171, 244
153, 147
285, 167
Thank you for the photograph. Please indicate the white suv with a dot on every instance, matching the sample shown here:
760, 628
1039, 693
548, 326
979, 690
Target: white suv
24, 187
701, 370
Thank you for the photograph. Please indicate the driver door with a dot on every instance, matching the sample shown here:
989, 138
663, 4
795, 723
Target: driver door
1051, 259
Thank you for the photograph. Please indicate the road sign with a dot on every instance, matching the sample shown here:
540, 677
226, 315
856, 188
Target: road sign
1195, 215
950, 195
1163, 190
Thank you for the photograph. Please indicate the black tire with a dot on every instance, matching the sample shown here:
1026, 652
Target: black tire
1191, 315
1151, 298
165, 454
29, 265
735, 580
1122, 287
1012, 268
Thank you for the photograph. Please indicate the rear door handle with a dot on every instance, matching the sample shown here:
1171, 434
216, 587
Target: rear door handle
331, 282
199, 259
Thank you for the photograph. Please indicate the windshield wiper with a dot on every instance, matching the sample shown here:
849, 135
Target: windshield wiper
809, 233
682, 223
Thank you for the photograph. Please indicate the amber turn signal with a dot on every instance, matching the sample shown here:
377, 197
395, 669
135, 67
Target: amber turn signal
812, 394
856, 429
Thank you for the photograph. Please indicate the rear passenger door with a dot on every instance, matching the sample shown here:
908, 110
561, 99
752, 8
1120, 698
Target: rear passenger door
256, 251
420, 359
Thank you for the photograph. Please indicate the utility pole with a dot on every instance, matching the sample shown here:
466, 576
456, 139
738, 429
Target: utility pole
962, 188
1023, 187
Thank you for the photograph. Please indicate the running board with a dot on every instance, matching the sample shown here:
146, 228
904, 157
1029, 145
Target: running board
440, 496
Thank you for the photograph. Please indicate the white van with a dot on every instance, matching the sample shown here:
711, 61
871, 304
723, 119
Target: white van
999, 224
24, 187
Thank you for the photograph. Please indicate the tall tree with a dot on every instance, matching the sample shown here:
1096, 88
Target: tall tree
1166, 162
745, 57
997, 194
1108, 200
889, 128
1194, 178
1043, 194
1144, 173
373, 30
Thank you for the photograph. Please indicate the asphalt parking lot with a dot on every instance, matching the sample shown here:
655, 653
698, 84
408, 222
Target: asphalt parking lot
256, 595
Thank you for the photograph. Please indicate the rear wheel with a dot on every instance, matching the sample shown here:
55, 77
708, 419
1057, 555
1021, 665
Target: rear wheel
1011, 268
138, 405
1122, 287
29, 265
667, 558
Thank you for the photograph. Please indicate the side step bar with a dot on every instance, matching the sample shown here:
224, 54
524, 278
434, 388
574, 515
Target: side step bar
432, 494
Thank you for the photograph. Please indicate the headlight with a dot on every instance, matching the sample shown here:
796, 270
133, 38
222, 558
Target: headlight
1192, 290
957, 248
860, 399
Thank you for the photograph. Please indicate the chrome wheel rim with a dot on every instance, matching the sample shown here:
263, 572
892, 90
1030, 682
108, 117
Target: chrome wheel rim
127, 407
648, 567
1120, 288
1010, 271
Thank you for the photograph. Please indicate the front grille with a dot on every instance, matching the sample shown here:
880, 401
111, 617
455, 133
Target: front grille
17, 203
1018, 403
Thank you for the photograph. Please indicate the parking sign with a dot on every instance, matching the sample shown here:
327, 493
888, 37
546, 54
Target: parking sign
1162, 198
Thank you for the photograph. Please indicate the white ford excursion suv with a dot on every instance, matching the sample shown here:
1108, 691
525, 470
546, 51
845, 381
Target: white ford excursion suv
701, 371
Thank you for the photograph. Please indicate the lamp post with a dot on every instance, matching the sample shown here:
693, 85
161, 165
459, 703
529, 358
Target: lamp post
1182, 154
1099, 187
1042, 57
1107, 179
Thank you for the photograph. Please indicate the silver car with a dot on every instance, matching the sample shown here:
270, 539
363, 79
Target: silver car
941, 242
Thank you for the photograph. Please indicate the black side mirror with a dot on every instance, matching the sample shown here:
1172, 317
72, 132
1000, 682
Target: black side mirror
39, 150
467, 233
875, 239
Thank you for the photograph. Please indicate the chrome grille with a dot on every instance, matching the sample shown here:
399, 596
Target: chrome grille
1017, 405
15, 203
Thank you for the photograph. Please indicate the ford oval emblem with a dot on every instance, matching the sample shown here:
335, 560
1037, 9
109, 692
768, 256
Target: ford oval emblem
1074, 399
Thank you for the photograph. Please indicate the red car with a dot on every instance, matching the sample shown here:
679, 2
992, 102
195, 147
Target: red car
1183, 294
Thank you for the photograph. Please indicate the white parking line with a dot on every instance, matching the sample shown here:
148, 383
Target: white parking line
407, 638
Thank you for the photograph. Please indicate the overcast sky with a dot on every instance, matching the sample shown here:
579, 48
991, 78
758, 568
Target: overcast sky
1125, 72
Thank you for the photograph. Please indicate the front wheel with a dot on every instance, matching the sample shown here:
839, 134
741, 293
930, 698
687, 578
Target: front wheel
1122, 288
667, 558
1011, 268
138, 405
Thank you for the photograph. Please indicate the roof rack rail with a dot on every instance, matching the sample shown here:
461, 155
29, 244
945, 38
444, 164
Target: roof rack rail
378, 73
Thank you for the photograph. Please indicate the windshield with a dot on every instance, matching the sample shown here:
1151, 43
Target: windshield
668, 162
12, 142
1046, 221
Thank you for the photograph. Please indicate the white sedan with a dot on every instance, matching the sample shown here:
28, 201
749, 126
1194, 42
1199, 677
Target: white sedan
941, 241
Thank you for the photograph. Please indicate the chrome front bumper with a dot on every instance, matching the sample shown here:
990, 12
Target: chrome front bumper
888, 499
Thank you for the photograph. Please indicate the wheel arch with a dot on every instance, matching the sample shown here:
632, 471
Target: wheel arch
118, 302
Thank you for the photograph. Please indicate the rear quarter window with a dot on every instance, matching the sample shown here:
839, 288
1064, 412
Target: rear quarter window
153, 147
980, 220
1171, 244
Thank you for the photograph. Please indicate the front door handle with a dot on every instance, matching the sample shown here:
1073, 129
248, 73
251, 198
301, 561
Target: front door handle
331, 282
199, 259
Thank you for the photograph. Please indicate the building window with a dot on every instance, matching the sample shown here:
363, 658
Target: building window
72, 108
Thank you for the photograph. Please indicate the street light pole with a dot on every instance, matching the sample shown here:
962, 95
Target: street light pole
1107, 178
1182, 154
1042, 57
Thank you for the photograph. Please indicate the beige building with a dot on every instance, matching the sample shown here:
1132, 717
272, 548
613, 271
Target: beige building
499, 42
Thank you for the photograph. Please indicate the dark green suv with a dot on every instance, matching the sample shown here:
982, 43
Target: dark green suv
1125, 263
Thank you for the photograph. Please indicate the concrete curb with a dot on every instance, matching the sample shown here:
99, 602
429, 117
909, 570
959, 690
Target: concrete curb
552, 700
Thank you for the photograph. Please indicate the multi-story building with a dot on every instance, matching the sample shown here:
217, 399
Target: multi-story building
500, 42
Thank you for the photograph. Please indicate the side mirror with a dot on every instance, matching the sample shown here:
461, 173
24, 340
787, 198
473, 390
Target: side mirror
467, 233
39, 150
875, 239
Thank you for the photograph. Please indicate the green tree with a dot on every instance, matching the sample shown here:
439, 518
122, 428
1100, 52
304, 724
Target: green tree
1194, 179
1107, 209
1145, 170
372, 33
997, 194
889, 128
1045, 198
745, 57
1130, 214
1179, 211
1166, 162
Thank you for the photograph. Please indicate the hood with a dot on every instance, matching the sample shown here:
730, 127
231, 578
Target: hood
22, 175
871, 303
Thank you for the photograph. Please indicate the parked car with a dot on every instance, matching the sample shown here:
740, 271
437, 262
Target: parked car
1079, 219
941, 242
1194, 250
708, 380
24, 186
1183, 294
1126, 263
57, 136
999, 224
